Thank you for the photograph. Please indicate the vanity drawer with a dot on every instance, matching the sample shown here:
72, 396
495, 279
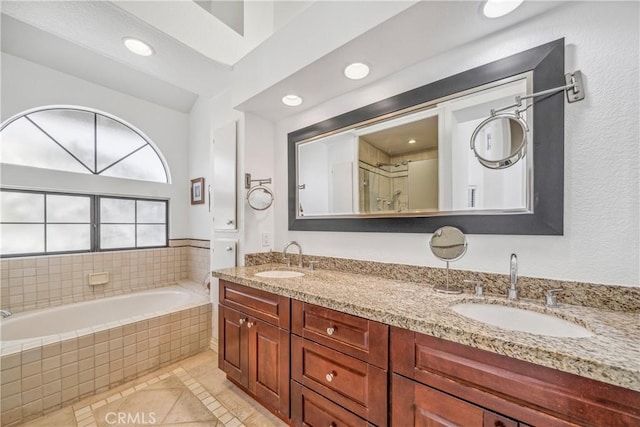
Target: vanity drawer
263, 305
356, 385
310, 409
361, 338
531, 393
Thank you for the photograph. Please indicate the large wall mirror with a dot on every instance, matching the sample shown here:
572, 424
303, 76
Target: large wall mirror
404, 164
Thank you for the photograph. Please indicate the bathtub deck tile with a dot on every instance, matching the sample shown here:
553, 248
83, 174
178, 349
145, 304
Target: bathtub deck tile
31, 345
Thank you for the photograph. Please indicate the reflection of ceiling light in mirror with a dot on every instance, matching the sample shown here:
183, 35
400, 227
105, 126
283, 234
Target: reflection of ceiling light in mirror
412, 141
291, 100
356, 71
498, 8
138, 46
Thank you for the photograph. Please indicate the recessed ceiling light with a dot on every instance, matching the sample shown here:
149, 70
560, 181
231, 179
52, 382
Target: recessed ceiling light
498, 8
356, 71
138, 46
412, 141
291, 100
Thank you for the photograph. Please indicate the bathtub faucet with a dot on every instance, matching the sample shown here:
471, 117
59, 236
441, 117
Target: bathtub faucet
5, 313
206, 281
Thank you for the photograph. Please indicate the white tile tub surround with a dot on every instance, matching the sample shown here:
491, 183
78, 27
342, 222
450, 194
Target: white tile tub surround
37, 282
42, 375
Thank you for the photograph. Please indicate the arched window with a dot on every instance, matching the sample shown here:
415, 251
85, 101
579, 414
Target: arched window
84, 141
80, 140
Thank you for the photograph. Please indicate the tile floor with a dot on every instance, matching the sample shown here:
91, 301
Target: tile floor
190, 393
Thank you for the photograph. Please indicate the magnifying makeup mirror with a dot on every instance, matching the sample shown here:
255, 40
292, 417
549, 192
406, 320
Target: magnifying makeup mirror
448, 244
259, 197
500, 140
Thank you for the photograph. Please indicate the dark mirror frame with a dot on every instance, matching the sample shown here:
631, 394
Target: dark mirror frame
547, 63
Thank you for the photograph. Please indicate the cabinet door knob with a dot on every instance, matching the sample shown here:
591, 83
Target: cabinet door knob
228, 249
249, 324
330, 330
329, 376
230, 222
499, 423
332, 424
241, 321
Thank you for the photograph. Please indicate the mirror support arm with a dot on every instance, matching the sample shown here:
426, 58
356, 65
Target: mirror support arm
574, 89
248, 181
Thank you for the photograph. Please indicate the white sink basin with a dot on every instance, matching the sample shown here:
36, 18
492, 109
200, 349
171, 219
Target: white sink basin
516, 319
279, 274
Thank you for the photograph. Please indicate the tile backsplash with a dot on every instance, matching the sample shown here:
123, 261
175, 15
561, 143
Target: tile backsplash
29, 283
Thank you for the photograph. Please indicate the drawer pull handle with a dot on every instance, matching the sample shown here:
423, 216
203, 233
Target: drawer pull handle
330, 330
249, 324
330, 375
241, 321
499, 423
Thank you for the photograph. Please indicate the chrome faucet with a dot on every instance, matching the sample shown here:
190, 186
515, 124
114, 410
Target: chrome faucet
512, 294
5, 313
284, 253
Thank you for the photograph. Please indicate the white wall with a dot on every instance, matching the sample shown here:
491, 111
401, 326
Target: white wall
258, 161
28, 85
601, 234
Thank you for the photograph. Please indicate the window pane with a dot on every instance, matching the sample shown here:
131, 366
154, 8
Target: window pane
151, 235
144, 165
154, 212
68, 209
68, 237
21, 238
73, 129
21, 207
24, 144
117, 236
117, 210
115, 141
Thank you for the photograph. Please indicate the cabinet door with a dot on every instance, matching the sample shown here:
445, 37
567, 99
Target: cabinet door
269, 365
233, 352
414, 404
224, 177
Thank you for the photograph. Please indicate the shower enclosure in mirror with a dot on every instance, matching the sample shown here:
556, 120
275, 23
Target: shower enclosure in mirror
417, 163
404, 164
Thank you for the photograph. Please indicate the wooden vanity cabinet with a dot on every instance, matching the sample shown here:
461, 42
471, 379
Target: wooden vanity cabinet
443, 379
254, 343
318, 367
338, 368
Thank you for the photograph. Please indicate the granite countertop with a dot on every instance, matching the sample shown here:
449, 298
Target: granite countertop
611, 355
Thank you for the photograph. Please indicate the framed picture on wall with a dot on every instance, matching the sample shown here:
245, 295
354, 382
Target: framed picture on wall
197, 193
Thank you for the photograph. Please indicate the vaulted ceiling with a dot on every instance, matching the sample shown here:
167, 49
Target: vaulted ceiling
283, 46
